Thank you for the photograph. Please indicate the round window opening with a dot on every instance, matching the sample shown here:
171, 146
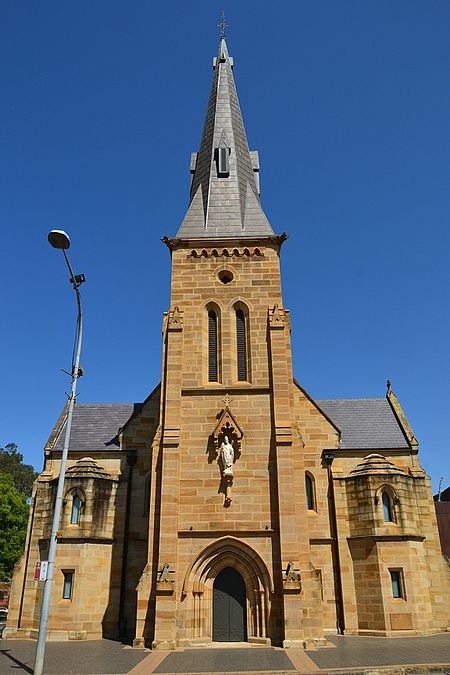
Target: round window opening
225, 276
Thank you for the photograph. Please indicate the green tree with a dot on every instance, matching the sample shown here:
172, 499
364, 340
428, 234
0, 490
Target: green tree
13, 525
23, 475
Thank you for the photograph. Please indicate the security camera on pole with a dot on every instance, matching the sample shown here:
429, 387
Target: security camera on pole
59, 239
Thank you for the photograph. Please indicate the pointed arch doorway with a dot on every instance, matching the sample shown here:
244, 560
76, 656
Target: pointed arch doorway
229, 607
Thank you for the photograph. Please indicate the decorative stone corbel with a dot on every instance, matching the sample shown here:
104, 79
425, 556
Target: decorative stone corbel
228, 482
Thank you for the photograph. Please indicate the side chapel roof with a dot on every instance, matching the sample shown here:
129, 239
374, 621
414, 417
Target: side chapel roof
365, 424
95, 426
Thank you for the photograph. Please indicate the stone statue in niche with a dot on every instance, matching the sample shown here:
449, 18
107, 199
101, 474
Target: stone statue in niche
227, 438
227, 457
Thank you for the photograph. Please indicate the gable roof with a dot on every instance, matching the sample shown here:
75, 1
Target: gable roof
95, 426
365, 423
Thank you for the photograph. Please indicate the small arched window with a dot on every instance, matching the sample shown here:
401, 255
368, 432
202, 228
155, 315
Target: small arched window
387, 508
241, 343
310, 500
212, 346
75, 513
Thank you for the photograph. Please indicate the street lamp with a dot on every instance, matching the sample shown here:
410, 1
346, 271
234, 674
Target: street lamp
59, 239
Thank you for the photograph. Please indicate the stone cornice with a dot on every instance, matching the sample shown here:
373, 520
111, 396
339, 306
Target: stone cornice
174, 243
222, 389
210, 534
387, 537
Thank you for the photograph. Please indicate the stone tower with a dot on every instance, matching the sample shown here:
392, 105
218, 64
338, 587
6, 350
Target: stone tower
227, 372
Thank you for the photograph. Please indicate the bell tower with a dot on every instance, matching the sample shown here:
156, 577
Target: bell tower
228, 448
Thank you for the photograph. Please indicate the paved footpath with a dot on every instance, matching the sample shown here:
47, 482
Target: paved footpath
90, 657
345, 655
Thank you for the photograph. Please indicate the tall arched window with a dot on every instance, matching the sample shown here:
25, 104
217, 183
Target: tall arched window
75, 513
212, 346
387, 508
241, 343
310, 500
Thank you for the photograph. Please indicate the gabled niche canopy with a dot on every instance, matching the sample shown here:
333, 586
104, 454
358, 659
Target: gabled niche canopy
227, 426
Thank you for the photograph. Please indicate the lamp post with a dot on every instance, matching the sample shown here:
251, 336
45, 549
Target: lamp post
59, 239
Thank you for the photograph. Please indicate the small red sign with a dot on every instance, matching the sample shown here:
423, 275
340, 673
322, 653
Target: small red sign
37, 571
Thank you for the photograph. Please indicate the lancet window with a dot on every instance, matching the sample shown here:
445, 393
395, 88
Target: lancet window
241, 345
310, 493
75, 512
213, 343
387, 508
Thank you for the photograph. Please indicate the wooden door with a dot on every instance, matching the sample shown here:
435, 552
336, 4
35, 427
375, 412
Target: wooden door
229, 607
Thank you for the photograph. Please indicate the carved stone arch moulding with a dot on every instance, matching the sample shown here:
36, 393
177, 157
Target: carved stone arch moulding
199, 582
71, 492
243, 303
390, 490
225, 266
74, 490
219, 554
212, 303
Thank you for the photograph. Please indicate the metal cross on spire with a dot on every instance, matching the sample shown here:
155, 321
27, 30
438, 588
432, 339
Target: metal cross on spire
222, 25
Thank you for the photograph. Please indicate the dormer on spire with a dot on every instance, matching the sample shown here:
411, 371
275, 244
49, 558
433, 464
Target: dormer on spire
224, 197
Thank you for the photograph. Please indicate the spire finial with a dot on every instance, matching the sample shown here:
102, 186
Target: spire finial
222, 25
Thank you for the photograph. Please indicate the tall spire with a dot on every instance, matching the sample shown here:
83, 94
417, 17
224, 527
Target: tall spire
224, 198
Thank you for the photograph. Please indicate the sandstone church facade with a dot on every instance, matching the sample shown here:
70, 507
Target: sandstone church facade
229, 505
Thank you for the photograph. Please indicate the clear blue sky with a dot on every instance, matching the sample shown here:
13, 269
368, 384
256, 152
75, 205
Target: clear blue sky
348, 104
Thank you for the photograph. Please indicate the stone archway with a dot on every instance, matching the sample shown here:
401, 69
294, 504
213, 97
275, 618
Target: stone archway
198, 590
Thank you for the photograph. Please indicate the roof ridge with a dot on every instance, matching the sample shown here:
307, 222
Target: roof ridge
375, 398
81, 405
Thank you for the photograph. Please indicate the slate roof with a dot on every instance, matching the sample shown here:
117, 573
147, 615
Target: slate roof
224, 207
365, 423
95, 426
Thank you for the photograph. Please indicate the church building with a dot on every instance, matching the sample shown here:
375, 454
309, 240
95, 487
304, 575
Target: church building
230, 506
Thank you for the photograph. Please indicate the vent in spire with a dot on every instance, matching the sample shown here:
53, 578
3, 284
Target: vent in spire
223, 162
